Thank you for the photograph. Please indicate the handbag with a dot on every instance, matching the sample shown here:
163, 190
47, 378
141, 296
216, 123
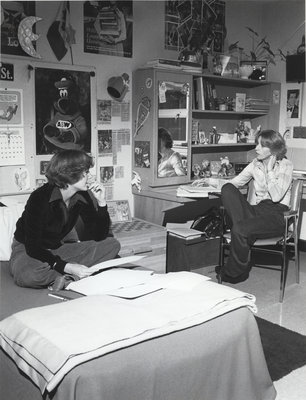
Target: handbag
209, 223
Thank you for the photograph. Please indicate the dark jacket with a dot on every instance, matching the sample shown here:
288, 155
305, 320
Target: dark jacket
46, 221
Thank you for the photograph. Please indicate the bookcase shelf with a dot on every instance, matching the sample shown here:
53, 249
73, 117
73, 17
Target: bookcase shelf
171, 98
266, 93
229, 114
223, 145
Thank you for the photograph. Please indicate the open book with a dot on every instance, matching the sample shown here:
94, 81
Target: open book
116, 262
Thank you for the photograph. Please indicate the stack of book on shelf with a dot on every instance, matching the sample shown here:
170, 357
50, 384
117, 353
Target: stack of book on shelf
205, 94
164, 63
257, 105
192, 67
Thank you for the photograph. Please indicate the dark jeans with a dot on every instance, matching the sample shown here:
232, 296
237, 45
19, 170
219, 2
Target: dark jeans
30, 272
249, 222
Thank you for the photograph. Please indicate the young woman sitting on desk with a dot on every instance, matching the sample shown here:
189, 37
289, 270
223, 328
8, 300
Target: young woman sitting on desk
263, 216
170, 161
46, 244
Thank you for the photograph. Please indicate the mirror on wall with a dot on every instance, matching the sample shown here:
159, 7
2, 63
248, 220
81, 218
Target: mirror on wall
173, 98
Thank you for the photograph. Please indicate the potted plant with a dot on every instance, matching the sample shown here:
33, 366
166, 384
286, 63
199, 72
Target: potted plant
258, 58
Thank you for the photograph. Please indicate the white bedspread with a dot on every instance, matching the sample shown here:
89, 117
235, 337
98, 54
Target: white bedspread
47, 342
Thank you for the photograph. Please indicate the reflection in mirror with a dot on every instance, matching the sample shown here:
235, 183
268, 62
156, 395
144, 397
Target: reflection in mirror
173, 95
170, 162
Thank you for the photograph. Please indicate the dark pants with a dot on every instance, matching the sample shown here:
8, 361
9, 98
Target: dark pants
30, 272
249, 222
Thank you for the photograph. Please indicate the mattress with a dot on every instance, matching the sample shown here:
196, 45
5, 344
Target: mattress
221, 359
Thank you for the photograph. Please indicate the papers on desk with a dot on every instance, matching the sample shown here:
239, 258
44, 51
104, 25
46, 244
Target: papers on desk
195, 191
116, 262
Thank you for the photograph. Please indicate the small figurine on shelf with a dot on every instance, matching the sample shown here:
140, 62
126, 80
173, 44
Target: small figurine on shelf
242, 131
197, 171
226, 167
206, 172
214, 136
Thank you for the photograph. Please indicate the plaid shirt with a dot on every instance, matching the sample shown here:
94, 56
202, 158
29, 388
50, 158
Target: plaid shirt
275, 185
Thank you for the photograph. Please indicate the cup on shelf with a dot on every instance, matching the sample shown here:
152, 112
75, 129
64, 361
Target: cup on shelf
245, 71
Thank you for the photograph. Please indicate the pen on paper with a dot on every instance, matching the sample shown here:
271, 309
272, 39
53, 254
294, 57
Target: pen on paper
57, 296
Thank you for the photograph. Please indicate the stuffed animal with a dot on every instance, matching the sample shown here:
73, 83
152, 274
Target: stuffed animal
206, 172
226, 167
196, 170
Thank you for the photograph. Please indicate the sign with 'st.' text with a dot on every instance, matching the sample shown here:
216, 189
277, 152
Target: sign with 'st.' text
6, 72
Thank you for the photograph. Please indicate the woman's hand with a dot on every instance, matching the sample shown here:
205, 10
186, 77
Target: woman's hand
271, 163
81, 271
98, 191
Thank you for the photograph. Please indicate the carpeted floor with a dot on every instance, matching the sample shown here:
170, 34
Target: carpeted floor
285, 350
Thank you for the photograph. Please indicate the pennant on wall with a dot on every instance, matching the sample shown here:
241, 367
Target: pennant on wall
61, 35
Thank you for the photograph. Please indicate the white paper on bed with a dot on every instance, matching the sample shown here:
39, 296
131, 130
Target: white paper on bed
47, 342
108, 281
116, 262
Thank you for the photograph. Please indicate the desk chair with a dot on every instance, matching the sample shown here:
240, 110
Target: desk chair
281, 245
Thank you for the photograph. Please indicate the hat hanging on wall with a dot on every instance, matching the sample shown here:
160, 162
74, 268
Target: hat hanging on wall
117, 86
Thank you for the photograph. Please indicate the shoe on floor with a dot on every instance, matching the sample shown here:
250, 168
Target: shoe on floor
222, 277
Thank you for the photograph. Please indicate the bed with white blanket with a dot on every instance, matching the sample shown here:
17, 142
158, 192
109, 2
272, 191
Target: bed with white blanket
198, 342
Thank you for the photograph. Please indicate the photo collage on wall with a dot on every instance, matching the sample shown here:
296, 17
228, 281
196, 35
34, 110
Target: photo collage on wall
194, 25
110, 152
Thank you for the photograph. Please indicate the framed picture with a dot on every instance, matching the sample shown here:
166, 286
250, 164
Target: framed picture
260, 70
293, 103
43, 167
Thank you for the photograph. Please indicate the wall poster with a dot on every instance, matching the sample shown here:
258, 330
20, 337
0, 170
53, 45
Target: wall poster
108, 28
293, 98
194, 25
12, 151
12, 12
11, 107
63, 110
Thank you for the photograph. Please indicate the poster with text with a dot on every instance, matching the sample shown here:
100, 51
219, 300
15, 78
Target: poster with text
63, 110
12, 13
108, 28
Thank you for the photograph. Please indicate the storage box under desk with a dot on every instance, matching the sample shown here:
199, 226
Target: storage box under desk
187, 254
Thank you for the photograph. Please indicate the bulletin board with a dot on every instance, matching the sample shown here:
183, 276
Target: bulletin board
23, 156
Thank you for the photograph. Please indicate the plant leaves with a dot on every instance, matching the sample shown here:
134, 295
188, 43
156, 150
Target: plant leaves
251, 30
283, 56
260, 43
269, 50
234, 46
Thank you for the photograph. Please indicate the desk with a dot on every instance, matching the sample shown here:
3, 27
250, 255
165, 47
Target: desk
187, 254
161, 205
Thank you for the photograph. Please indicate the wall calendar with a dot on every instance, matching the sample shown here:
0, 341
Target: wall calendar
12, 146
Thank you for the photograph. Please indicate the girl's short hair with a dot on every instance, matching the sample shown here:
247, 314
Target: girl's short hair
165, 136
68, 167
274, 141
